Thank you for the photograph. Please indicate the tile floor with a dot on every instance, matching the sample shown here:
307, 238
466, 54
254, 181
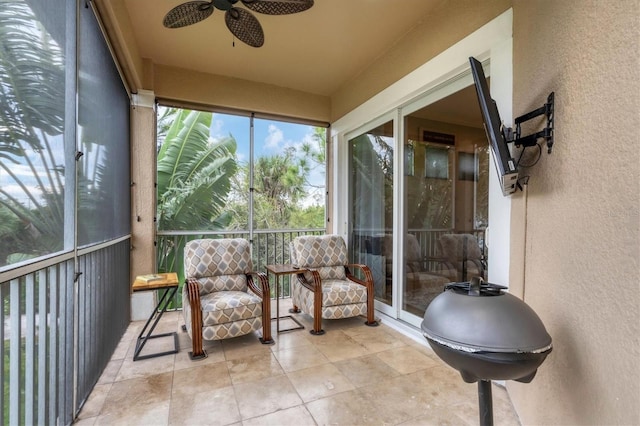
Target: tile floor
352, 375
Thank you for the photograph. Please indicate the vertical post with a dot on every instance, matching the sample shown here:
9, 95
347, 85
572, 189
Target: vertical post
485, 403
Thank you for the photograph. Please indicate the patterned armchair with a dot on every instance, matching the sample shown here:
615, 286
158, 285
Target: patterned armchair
462, 256
222, 298
327, 289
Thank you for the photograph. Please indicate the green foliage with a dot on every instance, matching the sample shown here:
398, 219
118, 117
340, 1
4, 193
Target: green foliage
308, 217
194, 175
32, 77
194, 179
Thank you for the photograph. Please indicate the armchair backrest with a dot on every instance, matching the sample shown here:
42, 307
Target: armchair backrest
412, 252
218, 265
327, 254
453, 247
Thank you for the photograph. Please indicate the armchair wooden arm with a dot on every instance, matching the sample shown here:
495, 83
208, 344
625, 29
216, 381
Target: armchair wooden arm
368, 283
193, 291
316, 287
264, 292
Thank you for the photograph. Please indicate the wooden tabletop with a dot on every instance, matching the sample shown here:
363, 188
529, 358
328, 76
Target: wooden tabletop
170, 279
284, 269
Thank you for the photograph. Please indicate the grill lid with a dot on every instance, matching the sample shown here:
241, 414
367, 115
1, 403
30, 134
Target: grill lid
480, 317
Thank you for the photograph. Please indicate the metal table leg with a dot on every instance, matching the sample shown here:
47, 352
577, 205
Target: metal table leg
157, 314
278, 317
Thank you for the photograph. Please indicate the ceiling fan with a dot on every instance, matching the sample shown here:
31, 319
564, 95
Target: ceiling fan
240, 21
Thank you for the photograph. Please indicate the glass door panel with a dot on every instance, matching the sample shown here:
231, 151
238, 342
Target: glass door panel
445, 198
371, 205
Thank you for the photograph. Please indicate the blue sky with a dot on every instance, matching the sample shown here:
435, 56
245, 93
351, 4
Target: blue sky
270, 138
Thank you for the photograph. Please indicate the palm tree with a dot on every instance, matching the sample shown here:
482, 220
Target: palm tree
194, 179
32, 76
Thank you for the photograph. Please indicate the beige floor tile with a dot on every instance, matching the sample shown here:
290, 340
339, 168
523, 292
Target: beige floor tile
200, 378
266, 396
299, 358
352, 375
347, 408
212, 407
156, 414
123, 348
295, 416
286, 324
254, 367
406, 359
375, 339
399, 399
366, 371
445, 385
111, 371
155, 345
438, 416
239, 347
93, 405
319, 382
291, 339
337, 349
138, 392
131, 369
213, 349
89, 421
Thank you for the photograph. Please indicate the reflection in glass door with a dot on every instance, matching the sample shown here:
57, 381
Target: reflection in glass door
445, 199
371, 205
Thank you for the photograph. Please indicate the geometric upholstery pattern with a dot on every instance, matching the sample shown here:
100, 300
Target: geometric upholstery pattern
327, 254
221, 299
325, 287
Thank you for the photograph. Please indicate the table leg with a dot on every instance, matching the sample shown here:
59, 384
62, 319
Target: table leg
157, 314
278, 317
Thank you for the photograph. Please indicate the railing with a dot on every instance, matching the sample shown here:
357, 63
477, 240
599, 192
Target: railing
372, 247
268, 247
59, 329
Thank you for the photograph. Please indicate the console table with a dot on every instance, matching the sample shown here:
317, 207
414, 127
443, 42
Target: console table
168, 283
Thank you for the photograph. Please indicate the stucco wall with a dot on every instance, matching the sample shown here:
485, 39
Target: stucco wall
207, 89
576, 231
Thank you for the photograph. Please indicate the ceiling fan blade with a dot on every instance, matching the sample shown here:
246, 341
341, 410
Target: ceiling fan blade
188, 14
245, 26
278, 7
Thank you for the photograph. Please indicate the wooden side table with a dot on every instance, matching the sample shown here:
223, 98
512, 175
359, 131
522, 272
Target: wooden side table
168, 283
278, 270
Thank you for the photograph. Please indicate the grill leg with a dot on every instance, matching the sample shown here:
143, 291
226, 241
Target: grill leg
485, 402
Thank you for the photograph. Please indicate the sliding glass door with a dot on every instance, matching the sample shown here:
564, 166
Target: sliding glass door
418, 198
371, 155
445, 195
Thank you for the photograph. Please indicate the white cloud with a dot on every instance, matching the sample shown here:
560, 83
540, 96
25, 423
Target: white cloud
18, 193
274, 138
215, 129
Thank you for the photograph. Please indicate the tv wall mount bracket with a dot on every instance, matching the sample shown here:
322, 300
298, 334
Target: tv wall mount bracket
532, 139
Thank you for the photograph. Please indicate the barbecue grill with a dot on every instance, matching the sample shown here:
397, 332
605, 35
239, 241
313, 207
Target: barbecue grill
486, 334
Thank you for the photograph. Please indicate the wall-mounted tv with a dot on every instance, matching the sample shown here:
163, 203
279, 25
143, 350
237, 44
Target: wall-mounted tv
505, 165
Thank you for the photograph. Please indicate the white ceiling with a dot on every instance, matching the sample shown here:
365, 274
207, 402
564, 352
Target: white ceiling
315, 51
